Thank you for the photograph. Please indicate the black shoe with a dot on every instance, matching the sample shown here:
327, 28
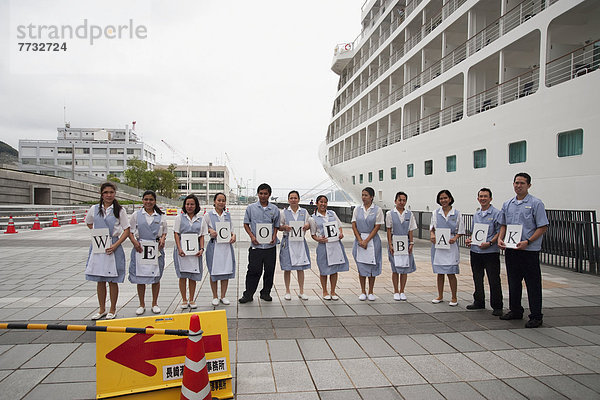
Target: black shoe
497, 312
243, 299
475, 306
533, 323
266, 297
511, 315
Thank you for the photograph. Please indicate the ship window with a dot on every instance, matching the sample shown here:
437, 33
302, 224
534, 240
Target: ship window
353, 179
360, 178
479, 158
380, 175
410, 170
451, 163
429, 167
570, 143
517, 152
393, 173
370, 177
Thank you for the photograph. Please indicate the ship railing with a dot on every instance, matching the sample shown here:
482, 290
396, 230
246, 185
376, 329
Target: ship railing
513, 89
572, 65
433, 121
410, 7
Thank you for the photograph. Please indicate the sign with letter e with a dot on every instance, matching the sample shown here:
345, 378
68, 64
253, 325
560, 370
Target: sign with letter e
100, 240
144, 366
513, 236
480, 234
331, 231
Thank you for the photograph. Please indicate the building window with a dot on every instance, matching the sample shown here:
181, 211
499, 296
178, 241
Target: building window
117, 151
82, 150
410, 170
64, 162
182, 186
217, 174
28, 161
46, 161
216, 186
570, 143
429, 167
99, 163
130, 151
451, 163
198, 186
198, 174
479, 158
370, 177
517, 152
116, 163
353, 179
360, 178
82, 163
380, 175
393, 173
180, 174
64, 150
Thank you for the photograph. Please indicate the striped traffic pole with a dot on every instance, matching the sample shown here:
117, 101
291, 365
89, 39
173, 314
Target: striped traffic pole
95, 328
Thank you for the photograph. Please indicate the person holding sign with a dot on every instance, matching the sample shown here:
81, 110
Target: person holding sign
106, 261
485, 255
220, 258
261, 223
523, 223
189, 247
293, 253
400, 223
325, 228
446, 227
366, 221
148, 232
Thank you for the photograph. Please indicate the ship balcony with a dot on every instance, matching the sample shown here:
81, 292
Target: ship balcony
342, 55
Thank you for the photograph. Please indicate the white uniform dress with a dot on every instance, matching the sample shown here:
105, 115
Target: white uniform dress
183, 224
294, 255
445, 261
401, 224
220, 257
150, 227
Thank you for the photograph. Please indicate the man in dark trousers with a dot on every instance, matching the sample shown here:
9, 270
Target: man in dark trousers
261, 223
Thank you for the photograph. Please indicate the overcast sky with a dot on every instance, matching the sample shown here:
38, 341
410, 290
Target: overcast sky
250, 78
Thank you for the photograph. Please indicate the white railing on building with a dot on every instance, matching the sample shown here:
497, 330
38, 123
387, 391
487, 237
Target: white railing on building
577, 63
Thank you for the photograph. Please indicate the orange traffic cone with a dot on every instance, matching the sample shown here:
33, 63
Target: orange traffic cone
55, 223
36, 224
195, 384
11, 229
74, 219
83, 219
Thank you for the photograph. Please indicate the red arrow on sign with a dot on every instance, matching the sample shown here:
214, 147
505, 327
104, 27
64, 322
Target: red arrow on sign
134, 353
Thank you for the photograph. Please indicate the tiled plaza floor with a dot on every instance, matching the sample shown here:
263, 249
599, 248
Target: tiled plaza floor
314, 349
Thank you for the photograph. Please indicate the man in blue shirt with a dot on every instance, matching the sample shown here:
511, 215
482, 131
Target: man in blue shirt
523, 262
485, 258
262, 252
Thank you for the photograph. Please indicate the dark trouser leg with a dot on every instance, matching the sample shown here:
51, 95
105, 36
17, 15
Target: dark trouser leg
477, 267
514, 271
254, 271
269, 260
493, 275
533, 280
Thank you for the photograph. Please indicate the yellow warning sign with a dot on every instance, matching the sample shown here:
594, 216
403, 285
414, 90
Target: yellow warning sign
133, 363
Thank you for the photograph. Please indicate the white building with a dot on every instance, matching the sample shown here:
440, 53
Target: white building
202, 180
78, 152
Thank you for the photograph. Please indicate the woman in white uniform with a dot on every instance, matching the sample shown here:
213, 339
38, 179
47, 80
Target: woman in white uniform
108, 267
325, 228
445, 260
220, 257
294, 255
400, 222
147, 224
366, 221
188, 267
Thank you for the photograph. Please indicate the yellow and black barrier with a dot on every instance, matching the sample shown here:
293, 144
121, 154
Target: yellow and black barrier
96, 328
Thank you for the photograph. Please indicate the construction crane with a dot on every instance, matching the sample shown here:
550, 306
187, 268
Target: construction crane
188, 184
239, 182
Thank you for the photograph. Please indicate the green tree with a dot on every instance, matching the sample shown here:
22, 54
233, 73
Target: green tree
167, 181
113, 178
150, 181
134, 174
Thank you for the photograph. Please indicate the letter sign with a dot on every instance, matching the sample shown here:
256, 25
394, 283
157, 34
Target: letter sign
513, 235
100, 240
189, 243
223, 232
442, 238
330, 231
264, 233
480, 234
400, 244
296, 233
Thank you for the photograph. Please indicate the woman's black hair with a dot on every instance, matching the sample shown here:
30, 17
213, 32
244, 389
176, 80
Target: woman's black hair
447, 192
193, 197
400, 194
153, 194
369, 190
217, 194
116, 205
319, 197
294, 191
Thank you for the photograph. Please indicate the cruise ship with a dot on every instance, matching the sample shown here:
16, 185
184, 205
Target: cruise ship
464, 94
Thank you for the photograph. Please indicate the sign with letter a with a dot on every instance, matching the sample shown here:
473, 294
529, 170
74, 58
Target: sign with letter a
330, 231
400, 244
513, 235
223, 232
442, 238
264, 233
189, 243
100, 240
480, 234
296, 233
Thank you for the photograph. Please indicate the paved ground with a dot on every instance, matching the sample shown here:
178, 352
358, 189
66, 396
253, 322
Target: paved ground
311, 349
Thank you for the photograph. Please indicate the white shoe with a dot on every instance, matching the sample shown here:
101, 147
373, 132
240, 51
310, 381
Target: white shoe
371, 297
215, 302
453, 303
397, 296
156, 309
287, 296
225, 301
193, 305
111, 316
335, 297
303, 296
362, 297
184, 305
98, 315
436, 301
327, 297
140, 311
402, 297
